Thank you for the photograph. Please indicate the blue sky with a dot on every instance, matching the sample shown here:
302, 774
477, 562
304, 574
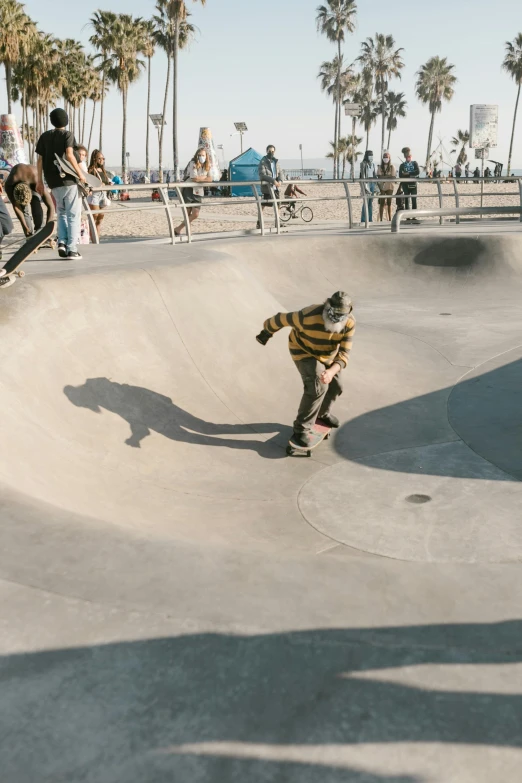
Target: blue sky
257, 61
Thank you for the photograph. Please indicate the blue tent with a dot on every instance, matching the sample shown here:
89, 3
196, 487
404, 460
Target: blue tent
244, 169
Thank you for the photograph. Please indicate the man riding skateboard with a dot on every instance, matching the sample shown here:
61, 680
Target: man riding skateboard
20, 187
320, 344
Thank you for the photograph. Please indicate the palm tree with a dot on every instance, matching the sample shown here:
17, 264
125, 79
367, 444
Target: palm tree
102, 23
351, 154
148, 49
395, 107
17, 32
513, 65
329, 74
95, 94
435, 83
165, 36
122, 66
334, 20
462, 140
177, 12
381, 61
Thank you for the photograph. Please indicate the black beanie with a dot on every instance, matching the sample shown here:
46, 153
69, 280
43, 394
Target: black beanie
59, 118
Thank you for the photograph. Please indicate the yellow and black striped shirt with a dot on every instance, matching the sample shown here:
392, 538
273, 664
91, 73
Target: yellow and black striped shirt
309, 337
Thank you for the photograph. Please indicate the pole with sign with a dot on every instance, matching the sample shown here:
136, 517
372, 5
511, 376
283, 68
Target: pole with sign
483, 134
353, 110
302, 167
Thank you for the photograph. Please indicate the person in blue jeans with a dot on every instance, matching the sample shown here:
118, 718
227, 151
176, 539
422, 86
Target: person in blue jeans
6, 225
368, 172
61, 142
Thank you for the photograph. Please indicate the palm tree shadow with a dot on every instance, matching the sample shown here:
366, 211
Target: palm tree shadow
148, 411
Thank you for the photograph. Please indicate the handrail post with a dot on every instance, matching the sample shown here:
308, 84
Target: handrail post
520, 191
275, 203
349, 202
457, 202
91, 221
164, 193
364, 196
260, 215
439, 190
396, 221
184, 210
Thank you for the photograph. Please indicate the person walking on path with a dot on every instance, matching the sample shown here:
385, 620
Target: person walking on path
368, 172
409, 168
386, 170
61, 142
270, 174
20, 187
320, 342
466, 169
198, 170
99, 199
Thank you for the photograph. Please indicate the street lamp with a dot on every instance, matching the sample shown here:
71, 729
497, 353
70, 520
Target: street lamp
158, 122
222, 149
240, 128
302, 167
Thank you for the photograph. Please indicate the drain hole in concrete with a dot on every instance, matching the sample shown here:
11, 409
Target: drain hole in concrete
418, 498
444, 313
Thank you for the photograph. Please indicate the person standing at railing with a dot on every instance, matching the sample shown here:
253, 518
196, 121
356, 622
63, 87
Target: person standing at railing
270, 174
198, 170
466, 169
410, 169
386, 170
99, 199
368, 172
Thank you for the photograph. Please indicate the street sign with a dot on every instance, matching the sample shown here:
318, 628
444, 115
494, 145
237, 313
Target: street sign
352, 109
157, 119
481, 154
483, 125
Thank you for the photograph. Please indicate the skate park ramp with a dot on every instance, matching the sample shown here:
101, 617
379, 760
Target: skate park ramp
143, 470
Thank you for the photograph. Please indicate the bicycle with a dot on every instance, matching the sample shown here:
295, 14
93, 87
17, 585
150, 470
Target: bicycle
295, 210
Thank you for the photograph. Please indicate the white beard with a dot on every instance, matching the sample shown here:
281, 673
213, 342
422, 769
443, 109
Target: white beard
330, 326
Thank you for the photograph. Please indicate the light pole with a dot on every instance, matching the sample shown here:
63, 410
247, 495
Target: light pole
241, 128
127, 155
302, 167
157, 121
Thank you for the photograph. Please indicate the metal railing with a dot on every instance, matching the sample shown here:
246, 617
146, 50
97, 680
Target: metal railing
362, 197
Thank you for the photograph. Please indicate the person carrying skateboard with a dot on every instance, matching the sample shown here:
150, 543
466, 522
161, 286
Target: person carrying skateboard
320, 344
61, 142
20, 187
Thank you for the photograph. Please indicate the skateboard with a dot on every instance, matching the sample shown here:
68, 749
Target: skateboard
320, 432
66, 170
10, 269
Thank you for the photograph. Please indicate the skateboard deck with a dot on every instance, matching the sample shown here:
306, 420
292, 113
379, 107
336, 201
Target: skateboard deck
320, 432
32, 244
66, 170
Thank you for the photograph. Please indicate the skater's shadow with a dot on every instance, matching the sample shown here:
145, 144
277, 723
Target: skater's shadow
148, 411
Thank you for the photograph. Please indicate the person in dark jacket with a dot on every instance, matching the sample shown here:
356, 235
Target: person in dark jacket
409, 168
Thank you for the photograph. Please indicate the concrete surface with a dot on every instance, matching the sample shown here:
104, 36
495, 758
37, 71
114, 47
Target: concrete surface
180, 600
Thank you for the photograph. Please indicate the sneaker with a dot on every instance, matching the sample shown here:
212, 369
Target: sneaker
74, 255
62, 249
329, 420
302, 439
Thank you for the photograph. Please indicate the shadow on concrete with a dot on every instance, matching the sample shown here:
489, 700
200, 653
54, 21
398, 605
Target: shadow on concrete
484, 411
465, 254
147, 411
141, 710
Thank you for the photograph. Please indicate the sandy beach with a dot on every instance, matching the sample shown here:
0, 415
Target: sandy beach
237, 214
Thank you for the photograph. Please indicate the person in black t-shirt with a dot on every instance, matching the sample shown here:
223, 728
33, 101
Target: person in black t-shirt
64, 189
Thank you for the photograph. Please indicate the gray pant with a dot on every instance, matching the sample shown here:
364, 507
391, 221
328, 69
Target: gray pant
318, 397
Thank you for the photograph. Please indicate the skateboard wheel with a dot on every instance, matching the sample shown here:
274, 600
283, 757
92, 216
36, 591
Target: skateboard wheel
289, 451
308, 453
20, 274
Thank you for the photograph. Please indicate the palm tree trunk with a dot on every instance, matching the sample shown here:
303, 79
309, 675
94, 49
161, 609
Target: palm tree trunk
124, 134
147, 160
383, 112
92, 123
175, 100
389, 136
352, 162
339, 139
8, 77
513, 131
335, 140
367, 137
100, 145
430, 138
23, 113
83, 124
35, 134
160, 163
338, 98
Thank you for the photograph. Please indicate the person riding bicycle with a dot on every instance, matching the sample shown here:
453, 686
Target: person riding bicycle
292, 192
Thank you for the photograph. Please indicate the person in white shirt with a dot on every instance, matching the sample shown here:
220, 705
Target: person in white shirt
198, 170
